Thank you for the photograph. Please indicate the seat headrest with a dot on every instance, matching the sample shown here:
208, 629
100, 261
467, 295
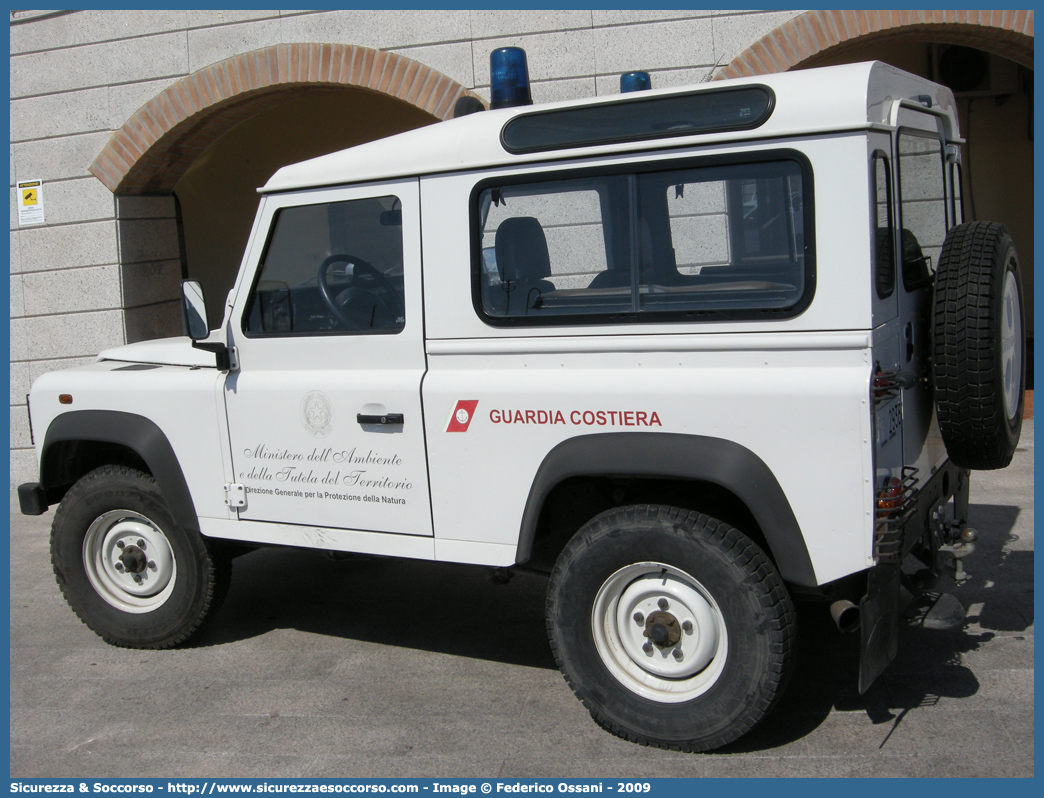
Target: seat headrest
521, 249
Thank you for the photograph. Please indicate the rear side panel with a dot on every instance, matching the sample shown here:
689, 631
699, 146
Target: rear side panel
794, 391
804, 413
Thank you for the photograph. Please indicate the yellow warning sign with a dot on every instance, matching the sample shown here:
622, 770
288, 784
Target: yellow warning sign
31, 209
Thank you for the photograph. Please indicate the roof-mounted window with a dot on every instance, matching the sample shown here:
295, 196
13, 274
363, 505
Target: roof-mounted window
640, 119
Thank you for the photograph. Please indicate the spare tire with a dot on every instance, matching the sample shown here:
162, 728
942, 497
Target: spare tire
979, 363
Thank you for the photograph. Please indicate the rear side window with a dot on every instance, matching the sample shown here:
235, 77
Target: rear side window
884, 255
708, 241
640, 118
550, 239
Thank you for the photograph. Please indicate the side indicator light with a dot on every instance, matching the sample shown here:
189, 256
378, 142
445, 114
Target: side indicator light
891, 496
65, 398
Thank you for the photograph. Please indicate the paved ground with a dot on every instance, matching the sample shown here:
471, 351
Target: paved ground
380, 668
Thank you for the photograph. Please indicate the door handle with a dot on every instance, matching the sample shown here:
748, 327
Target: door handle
387, 418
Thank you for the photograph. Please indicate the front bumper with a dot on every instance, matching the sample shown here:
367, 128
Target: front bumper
32, 499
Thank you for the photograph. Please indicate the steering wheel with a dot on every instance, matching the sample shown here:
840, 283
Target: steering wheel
356, 307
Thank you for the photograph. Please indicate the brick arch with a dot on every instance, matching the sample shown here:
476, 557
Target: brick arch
815, 35
154, 148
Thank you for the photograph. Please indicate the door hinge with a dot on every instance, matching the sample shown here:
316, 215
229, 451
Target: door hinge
226, 358
235, 494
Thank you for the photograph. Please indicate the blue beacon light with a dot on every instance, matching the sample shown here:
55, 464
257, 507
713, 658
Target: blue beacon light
635, 81
509, 78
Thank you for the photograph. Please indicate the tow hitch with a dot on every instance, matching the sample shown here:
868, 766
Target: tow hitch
953, 541
959, 544
914, 520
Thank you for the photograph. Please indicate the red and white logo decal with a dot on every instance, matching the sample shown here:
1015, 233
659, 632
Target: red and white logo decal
462, 415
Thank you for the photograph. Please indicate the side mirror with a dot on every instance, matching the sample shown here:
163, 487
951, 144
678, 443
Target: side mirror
194, 322
193, 310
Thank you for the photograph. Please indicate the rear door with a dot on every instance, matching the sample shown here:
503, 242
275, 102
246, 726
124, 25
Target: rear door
924, 217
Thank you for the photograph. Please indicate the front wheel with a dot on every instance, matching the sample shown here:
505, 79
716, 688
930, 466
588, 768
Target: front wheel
128, 571
673, 628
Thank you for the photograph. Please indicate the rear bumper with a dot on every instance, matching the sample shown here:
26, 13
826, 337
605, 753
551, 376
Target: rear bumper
949, 481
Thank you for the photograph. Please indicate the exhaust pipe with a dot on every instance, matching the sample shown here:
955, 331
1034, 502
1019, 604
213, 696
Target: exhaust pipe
845, 615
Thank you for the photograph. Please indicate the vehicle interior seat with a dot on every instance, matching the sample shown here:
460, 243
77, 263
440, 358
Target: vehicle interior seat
523, 263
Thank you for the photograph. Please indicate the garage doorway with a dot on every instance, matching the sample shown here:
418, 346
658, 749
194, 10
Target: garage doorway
199, 150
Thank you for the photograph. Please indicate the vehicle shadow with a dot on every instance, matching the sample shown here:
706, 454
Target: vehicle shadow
438, 607
930, 664
462, 611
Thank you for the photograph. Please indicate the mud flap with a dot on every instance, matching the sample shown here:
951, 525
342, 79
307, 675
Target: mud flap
879, 626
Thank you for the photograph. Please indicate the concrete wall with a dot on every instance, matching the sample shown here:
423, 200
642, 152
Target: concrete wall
99, 274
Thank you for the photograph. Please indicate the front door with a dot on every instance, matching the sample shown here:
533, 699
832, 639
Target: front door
324, 413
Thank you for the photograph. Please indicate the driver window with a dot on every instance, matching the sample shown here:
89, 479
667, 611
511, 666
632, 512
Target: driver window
331, 268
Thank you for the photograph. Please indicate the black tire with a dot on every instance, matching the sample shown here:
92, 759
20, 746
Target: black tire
642, 555
979, 346
159, 593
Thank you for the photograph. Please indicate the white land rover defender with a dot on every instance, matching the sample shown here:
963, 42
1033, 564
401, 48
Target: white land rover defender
693, 352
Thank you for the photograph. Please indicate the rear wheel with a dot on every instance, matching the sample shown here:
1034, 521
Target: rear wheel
127, 570
979, 346
673, 628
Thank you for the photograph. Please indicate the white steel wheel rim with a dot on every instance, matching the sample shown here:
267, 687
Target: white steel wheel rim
1011, 351
116, 538
653, 671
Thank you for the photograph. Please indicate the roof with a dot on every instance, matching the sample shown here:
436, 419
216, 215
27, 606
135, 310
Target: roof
848, 97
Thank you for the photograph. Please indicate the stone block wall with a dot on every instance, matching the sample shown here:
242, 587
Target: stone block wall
104, 271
